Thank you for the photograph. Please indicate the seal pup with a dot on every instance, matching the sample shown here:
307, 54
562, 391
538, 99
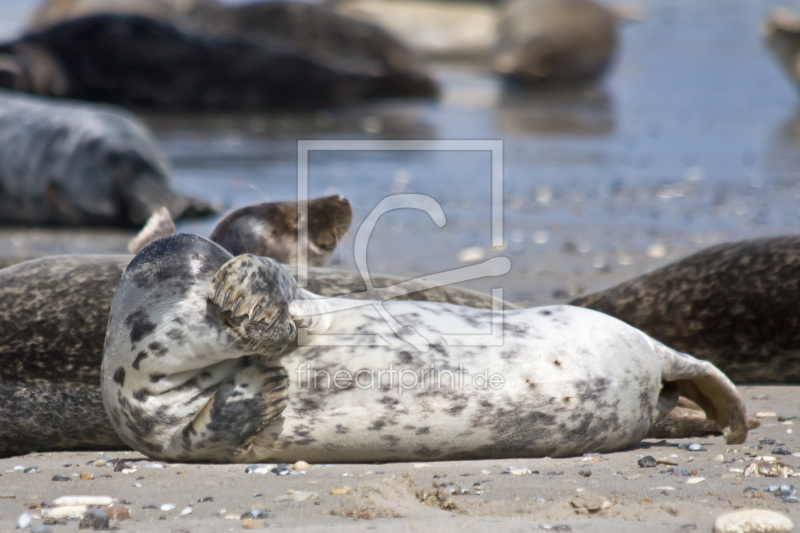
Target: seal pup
554, 42
51, 354
71, 164
733, 304
203, 362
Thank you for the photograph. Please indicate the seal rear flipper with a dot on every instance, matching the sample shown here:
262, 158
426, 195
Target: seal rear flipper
231, 425
704, 384
160, 224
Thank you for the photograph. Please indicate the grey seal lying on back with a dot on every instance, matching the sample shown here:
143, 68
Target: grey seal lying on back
72, 164
203, 362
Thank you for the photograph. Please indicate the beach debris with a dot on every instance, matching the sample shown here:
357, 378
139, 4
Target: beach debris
31, 470
118, 513
94, 519
339, 490
589, 504
517, 471
648, 461
766, 414
255, 514
692, 447
753, 521
787, 493
259, 469
767, 468
186, 511
66, 511
24, 521
167, 506
281, 470
695, 480
297, 496
86, 501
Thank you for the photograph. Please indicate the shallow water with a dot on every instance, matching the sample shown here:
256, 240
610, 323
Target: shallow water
693, 139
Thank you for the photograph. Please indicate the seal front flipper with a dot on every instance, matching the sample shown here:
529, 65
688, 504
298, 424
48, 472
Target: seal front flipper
253, 294
240, 420
704, 384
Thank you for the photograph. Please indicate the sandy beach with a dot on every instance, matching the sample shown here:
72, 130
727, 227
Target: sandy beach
685, 490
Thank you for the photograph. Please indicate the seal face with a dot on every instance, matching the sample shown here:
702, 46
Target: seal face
733, 304
205, 360
73, 164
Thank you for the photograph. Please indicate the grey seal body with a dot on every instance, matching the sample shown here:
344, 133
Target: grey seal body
545, 43
733, 304
782, 36
79, 165
203, 362
169, 66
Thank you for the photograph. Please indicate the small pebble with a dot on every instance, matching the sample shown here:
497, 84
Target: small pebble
647, 462
300, 465
32, 470
695, 480
94, 519
281, 470
339, 490
167, 506
781, 450
87, 476
118, 512
150, 506
753, 521
692, 447
255, 514
258, 469
59, 477
186, 511
518, 471
24, 521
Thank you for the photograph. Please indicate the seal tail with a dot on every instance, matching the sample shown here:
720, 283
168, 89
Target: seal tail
706, 385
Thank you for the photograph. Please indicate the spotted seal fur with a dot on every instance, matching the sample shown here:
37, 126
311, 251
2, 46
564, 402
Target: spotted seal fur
203, 362
733, 304
72, 164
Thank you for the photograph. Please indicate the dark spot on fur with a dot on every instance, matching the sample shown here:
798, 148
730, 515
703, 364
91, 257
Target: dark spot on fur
139, 358
545, 312
141, 394
377, 425
455, 409
158, 349
155, 378
119, 376
341, 430
423, 431
140, 325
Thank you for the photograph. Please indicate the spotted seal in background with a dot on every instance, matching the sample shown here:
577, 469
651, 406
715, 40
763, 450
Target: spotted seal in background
203, 362
782, 36
53, 315
555, 42
734, 304
73, 164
